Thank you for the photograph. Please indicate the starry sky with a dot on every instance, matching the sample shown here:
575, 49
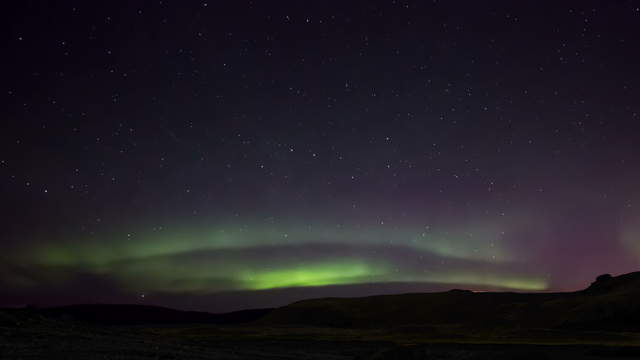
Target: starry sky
220, 155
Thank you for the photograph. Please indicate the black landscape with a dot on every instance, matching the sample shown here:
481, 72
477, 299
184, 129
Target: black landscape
599, 322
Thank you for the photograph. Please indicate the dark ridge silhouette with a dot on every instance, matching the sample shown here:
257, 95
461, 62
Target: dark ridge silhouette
107, 314
601, 321
610, 303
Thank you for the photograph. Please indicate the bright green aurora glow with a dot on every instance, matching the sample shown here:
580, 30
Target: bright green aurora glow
338, 273
259, 257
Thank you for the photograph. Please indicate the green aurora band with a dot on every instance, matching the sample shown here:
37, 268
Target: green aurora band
205, 260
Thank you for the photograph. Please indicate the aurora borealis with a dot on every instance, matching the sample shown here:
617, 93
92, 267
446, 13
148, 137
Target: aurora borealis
224, 155
258, 258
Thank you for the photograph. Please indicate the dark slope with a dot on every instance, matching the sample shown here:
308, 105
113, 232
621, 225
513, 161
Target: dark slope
147, 315
610, 303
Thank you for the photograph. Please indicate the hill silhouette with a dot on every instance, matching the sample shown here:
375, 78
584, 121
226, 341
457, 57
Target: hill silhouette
610, 303
601, 321
108, 314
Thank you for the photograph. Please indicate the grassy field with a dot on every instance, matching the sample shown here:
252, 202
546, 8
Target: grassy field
27, 336
403, 335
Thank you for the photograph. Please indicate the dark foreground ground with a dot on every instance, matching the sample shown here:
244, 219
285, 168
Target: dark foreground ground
599, 322
44, 338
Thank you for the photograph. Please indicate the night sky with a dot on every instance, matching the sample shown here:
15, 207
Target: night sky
222, 155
